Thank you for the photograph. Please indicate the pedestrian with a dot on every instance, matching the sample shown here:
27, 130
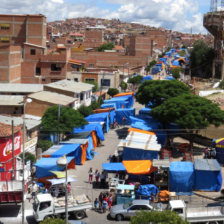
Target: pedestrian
97, 176
206, 153
104, 205
69, 188
100, 200
102, 179
123, 121
90, 175
34, 189
110, 200
96, 202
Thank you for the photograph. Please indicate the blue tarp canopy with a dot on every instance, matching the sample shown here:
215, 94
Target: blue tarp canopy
126, 98
144, 111
72, 150
126, 113
108, 105
145, 191
100, 117
139, 154
176, 63
173, 50
148, 77
120, 103
96, 126
181, 177
113, 167
208, 176
169, 78
45, 165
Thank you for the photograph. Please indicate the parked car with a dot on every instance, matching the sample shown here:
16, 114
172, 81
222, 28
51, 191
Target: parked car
122, 211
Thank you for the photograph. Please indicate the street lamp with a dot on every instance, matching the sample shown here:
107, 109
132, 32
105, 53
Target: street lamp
62, 162
28, 100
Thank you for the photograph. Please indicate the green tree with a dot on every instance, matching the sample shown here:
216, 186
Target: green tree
176, 72
123, 85
158, 91
190, 112
44, 144
28, 156
221, 84
105, 46
135, 81
201, 58
150, 65
53, 221
95, 87
68, 119
182, 53
112, 91
85, 110
157, 217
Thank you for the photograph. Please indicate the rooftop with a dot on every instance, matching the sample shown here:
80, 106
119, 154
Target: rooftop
70, 86
53, 98
6, 130
20, 88
9, 100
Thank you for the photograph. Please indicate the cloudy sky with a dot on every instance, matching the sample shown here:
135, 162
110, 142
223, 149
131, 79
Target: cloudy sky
180, 15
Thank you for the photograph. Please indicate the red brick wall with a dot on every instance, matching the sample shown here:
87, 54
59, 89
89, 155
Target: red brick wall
89, 76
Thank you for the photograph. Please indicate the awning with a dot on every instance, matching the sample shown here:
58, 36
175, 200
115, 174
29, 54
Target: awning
113, 167
219, 143
124, 94
61, 181
139, 167
141, 131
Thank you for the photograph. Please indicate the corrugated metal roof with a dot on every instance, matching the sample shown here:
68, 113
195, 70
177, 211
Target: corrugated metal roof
70, 86
207, 164
11, 100
20, 88
54, 98
76, 141
51, 150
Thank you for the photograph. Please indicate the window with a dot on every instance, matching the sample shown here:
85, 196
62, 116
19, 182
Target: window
178, 210
44, 205
90, 80
55, 68
105, 82
76, 79
134, 207
91, 65
81, 96
38, 71
33, 51
43, 79
5, 39
5, 26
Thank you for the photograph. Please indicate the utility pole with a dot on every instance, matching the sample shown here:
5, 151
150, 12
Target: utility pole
13, 151
59, 114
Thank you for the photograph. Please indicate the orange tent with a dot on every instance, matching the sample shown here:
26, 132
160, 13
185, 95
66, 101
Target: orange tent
84, 148
141, 131
124, 94
94, 139
139, 167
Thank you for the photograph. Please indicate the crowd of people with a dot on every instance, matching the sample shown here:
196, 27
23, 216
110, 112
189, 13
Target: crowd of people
100, 178
103, 202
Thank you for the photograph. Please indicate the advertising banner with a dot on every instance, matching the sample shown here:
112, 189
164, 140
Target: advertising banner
6, 147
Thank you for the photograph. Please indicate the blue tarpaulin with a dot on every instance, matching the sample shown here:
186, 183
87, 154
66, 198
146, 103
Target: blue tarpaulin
100, 117
145, 191
144, 112
145, 78
181, 177
176, 63
208, 176
120, 103
45, 165
89, 148
124, 113
144, 123
96, 126
169, 78
113, 167
108, 105
126, 98
72, 150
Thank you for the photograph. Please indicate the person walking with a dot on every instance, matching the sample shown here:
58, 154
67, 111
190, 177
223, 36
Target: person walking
97, 176
104, 205
90, 175
34, 189
96, 203
110, 200
100, 201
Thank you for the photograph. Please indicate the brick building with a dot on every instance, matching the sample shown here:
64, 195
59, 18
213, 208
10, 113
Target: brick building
93, 38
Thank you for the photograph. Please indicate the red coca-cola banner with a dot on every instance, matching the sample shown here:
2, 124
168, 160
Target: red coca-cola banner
6, 147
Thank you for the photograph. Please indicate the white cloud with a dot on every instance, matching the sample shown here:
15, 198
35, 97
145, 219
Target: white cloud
179, 15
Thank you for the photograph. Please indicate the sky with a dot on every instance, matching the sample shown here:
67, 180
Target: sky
179, 15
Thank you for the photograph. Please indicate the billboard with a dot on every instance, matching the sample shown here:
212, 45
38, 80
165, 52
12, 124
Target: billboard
6, 147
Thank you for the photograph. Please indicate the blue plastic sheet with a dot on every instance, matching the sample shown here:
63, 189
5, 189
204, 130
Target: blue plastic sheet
100, 117
144, 112
72, 150
145, 191
208, 176
113, 167
45, 165
108, 105
120, 103
176, 63
139, 154
124, 113
181, 177
91, 127
169, 78
145, 78
89, 149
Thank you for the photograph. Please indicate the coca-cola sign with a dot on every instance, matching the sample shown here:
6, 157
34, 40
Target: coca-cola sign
6, 147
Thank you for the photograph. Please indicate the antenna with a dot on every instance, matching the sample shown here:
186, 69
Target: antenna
213, 5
